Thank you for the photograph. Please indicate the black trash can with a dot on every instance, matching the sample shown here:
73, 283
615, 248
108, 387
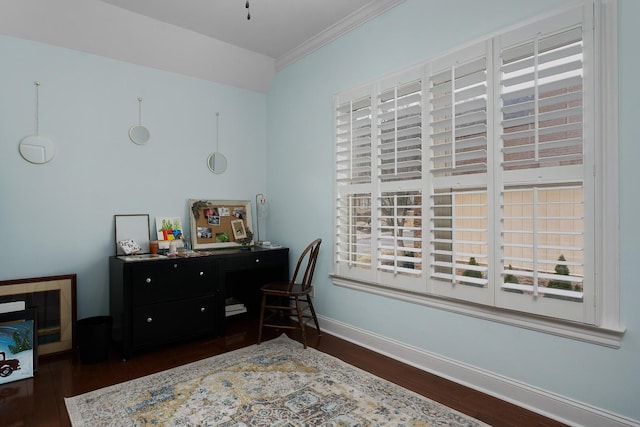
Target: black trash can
94, 338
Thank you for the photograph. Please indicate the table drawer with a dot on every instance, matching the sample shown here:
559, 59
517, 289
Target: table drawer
171, 280
256, 260
174, 321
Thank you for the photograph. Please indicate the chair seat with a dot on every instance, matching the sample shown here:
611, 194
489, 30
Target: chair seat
282, 288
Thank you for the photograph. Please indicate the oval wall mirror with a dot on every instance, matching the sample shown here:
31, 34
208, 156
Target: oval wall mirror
217, 162
37, 149
139, 134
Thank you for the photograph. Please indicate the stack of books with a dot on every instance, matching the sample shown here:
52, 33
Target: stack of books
232, 306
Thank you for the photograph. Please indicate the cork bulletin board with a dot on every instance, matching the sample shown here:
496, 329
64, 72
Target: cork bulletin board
220, 223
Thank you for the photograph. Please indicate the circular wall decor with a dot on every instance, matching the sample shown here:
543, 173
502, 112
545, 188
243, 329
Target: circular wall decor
139, 134
37, 149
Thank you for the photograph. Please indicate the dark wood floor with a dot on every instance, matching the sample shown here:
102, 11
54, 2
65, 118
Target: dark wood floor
39, 401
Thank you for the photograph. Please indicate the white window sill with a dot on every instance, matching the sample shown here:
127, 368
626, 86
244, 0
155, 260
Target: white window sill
577, 331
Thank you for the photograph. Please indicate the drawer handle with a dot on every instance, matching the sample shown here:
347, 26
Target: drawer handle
258, 260
149, 319
202, 273
175, 265
202, 310
148, 280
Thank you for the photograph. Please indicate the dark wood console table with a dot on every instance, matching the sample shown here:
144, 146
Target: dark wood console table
157, 300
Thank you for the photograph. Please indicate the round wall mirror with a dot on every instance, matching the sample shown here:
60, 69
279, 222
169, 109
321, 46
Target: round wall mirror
37, 149
139, 134
217, 162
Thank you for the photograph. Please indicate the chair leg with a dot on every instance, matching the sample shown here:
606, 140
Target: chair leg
264, 302
313, 314
301, 323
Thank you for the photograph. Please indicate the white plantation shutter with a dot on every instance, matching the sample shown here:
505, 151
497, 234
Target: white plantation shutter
544, 137
541, 93
542, 225
354, 230
459, 119
353, 141
459, 220
543, 251
460, 232
400, 232
400, 132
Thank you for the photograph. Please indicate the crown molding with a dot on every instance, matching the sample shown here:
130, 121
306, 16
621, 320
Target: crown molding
347, 24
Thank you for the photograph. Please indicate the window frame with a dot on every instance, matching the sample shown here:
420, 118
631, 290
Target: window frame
607, 329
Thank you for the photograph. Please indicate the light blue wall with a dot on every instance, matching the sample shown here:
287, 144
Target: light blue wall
300, 185
57, 218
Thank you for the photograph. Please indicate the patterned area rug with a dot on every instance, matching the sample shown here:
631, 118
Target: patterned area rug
276, 383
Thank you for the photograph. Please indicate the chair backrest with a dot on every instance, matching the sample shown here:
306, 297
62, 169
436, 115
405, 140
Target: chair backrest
310, 256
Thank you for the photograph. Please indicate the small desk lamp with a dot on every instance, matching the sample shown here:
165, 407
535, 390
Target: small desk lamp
260, 202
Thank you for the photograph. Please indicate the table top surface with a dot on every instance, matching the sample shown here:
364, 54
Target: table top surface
199, 253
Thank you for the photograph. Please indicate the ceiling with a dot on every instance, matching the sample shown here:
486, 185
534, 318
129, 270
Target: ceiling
277, 28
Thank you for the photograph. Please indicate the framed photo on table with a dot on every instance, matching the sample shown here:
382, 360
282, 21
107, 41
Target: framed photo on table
220, 223
169, 228
239, 232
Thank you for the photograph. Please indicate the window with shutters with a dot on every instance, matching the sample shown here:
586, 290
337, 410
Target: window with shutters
491, 159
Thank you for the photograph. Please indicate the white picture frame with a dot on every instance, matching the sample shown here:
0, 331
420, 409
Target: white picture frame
132, 227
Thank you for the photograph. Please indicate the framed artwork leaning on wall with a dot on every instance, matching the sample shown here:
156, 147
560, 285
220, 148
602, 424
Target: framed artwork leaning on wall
18, 345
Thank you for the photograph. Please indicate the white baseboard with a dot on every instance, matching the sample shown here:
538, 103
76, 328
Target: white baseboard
540, 401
